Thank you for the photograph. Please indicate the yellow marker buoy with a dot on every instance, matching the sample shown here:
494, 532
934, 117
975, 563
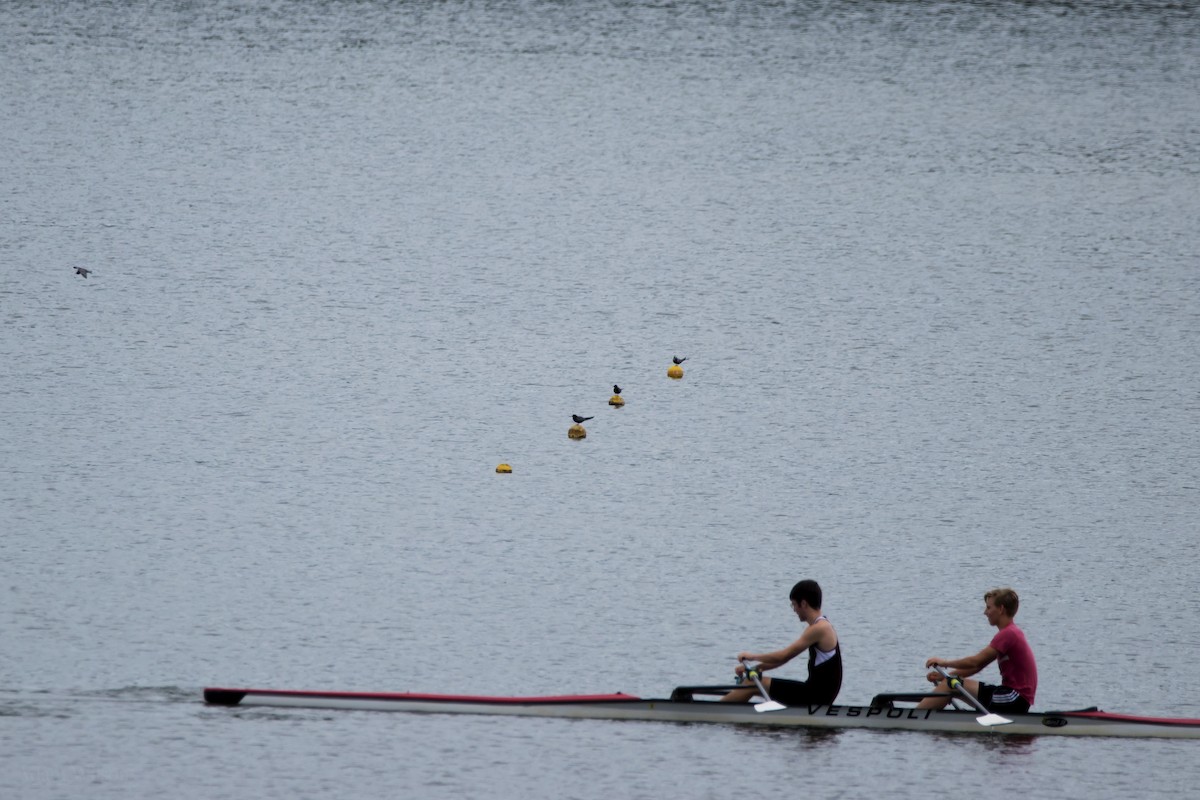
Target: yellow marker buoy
675, 371
503, 468
576, 431
616, 400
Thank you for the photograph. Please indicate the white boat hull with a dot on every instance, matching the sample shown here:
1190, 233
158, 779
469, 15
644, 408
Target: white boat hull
625, 707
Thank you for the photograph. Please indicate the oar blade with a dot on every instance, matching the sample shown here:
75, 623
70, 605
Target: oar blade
988, 719
991, 720
771, 705
768, 704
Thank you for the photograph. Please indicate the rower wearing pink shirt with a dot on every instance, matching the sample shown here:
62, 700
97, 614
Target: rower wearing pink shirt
1018, 670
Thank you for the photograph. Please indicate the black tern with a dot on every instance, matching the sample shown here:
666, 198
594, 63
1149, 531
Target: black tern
616, 389
82, 271
580, 420
678, 360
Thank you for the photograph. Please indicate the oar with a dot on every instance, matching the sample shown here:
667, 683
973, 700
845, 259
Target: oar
768, 704
989, 719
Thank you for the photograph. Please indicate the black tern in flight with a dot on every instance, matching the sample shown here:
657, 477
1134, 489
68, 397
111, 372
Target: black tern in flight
580, 420
82, 271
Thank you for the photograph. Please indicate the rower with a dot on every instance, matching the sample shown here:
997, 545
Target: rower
1018, 670
819, 640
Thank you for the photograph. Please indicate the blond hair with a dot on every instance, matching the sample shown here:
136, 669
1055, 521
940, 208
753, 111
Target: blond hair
1005, 598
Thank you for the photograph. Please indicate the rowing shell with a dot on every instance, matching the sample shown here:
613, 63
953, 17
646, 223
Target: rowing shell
1088, 722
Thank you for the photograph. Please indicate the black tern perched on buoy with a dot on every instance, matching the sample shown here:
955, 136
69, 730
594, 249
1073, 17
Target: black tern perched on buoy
82, 271
678, 360
616, 389
580, 420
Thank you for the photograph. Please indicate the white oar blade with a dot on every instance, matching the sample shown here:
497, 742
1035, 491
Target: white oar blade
771, 705
992, 719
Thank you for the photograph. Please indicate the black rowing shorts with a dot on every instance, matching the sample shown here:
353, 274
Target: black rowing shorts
1001, 699
800, 693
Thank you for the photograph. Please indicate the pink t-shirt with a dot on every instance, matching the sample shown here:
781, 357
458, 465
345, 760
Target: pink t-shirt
1017, 668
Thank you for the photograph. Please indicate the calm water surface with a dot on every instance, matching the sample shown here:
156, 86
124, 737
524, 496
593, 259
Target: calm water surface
936, 269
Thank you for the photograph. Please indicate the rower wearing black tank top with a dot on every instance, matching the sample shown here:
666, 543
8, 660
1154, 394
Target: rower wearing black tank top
824, 649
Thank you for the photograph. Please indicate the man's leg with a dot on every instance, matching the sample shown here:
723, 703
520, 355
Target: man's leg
744, 695
943, 687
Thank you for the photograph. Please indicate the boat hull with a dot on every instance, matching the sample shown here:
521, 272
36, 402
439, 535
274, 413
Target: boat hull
627, 707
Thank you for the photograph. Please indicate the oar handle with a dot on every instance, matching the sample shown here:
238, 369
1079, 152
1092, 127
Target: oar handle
956, 684
754, 673
954, 679
768, 704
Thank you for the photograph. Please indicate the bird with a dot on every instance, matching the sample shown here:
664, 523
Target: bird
580, 420
616, 389
678, 360
82, 271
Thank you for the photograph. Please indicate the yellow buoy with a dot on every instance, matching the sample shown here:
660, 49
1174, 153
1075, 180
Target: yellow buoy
503, 468
675, 371
576, 431
616, 400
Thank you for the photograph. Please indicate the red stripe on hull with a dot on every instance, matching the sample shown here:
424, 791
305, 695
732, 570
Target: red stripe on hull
1131, 718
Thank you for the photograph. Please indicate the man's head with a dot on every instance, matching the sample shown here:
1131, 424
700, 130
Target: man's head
1005, 599
808, 592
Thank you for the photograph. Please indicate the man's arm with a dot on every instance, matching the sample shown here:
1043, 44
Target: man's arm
777, 658
966, 667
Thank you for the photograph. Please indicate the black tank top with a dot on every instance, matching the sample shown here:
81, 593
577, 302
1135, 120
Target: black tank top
825, 679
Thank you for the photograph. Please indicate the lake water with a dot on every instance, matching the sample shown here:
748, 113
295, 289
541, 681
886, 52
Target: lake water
936, 270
